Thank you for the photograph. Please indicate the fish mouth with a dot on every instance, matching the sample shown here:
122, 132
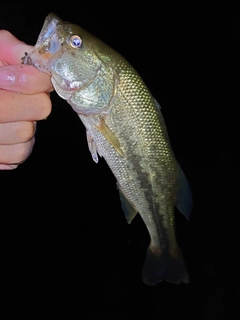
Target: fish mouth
49, 27
40, 62
46, 46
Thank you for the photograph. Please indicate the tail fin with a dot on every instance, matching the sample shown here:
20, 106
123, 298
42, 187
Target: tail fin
164, 268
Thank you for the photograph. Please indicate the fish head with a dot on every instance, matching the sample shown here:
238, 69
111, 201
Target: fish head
66, 52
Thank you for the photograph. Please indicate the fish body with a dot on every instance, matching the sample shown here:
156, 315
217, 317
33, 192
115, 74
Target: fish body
125, 126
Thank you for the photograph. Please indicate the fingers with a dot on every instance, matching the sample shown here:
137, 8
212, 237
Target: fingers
14, 75
16, 132
16, 143
20, 107
8, 166
25, 79
14, 154
12, 49
24, 99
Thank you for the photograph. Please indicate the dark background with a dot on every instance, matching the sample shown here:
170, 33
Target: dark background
65, 242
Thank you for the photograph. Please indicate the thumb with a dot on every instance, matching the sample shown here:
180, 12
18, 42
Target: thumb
12, 50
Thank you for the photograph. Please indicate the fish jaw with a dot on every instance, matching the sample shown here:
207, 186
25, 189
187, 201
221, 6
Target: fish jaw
40, 62
48, 28
46, 47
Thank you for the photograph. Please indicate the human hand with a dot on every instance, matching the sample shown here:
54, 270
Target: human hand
24, 99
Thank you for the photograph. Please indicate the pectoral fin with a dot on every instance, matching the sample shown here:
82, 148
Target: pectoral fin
92, 147
110, 136
129, 211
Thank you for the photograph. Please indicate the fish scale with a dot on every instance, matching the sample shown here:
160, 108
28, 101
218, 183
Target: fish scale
125, 126
149, 147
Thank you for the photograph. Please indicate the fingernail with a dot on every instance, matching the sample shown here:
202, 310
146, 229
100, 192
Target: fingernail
7, 78
8, 166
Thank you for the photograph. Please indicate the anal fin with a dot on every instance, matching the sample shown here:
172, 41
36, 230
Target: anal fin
129, 211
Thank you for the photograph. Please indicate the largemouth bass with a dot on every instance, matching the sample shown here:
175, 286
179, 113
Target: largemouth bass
125, 126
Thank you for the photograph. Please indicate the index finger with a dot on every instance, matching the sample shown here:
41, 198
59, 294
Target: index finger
25, 79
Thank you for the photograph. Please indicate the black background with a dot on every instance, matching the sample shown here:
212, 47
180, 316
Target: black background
66, 246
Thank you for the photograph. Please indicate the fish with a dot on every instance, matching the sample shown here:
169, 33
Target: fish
124, 126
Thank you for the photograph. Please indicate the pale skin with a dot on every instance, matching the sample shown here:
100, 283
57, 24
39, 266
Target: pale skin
24, 99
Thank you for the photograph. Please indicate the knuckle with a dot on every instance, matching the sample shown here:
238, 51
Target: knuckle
23, 151
45, 106
26, 131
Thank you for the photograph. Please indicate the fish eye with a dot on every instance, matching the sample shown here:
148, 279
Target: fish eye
75, 41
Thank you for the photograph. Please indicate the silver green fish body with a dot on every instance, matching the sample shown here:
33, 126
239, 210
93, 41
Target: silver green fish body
125, 126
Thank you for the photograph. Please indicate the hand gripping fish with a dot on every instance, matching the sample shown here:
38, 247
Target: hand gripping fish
125, 126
